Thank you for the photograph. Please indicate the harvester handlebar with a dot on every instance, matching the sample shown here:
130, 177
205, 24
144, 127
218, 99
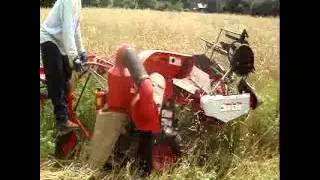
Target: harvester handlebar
244, 32
208, 42
97, 64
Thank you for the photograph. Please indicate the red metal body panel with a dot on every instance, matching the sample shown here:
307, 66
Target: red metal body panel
144, 111
67, 145
159, 61
120, 85
169, 64
42, 76
142, 108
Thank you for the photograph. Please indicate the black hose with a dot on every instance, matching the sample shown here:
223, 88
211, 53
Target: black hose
134, 65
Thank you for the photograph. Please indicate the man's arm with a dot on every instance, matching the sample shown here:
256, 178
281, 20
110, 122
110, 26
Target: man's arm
68, 30
78, 39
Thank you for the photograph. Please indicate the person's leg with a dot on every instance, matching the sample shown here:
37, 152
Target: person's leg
53, 68
67, 73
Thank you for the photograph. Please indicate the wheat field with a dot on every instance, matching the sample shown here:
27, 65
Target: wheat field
257, 149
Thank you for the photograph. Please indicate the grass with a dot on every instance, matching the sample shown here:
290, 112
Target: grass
244, 149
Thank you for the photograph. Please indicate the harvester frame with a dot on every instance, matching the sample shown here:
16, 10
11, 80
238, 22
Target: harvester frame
189, 78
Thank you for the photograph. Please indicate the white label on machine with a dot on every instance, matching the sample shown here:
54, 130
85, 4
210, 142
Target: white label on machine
225, 108
174, 61
166, 113
231, 107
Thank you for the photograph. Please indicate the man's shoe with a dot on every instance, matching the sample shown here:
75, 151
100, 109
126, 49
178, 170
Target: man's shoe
67, 125
62, 132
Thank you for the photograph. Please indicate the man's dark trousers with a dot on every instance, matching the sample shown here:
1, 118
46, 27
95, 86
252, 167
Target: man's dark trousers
58, 73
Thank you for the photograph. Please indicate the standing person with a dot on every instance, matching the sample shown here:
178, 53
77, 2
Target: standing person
62, 51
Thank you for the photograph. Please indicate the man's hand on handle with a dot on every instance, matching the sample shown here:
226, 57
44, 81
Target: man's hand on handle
79, 61
83, 57
77, 64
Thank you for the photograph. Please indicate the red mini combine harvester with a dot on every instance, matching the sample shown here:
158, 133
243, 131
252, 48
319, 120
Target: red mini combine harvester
195, 80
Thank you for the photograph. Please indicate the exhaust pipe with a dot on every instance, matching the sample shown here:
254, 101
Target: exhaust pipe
131, 61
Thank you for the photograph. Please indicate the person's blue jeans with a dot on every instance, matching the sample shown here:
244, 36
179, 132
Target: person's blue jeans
58, 73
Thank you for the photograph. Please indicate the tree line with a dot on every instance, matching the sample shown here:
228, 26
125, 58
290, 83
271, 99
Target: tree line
252, 7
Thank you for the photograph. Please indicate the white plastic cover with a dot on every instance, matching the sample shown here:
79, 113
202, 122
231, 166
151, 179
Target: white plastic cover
225, 108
